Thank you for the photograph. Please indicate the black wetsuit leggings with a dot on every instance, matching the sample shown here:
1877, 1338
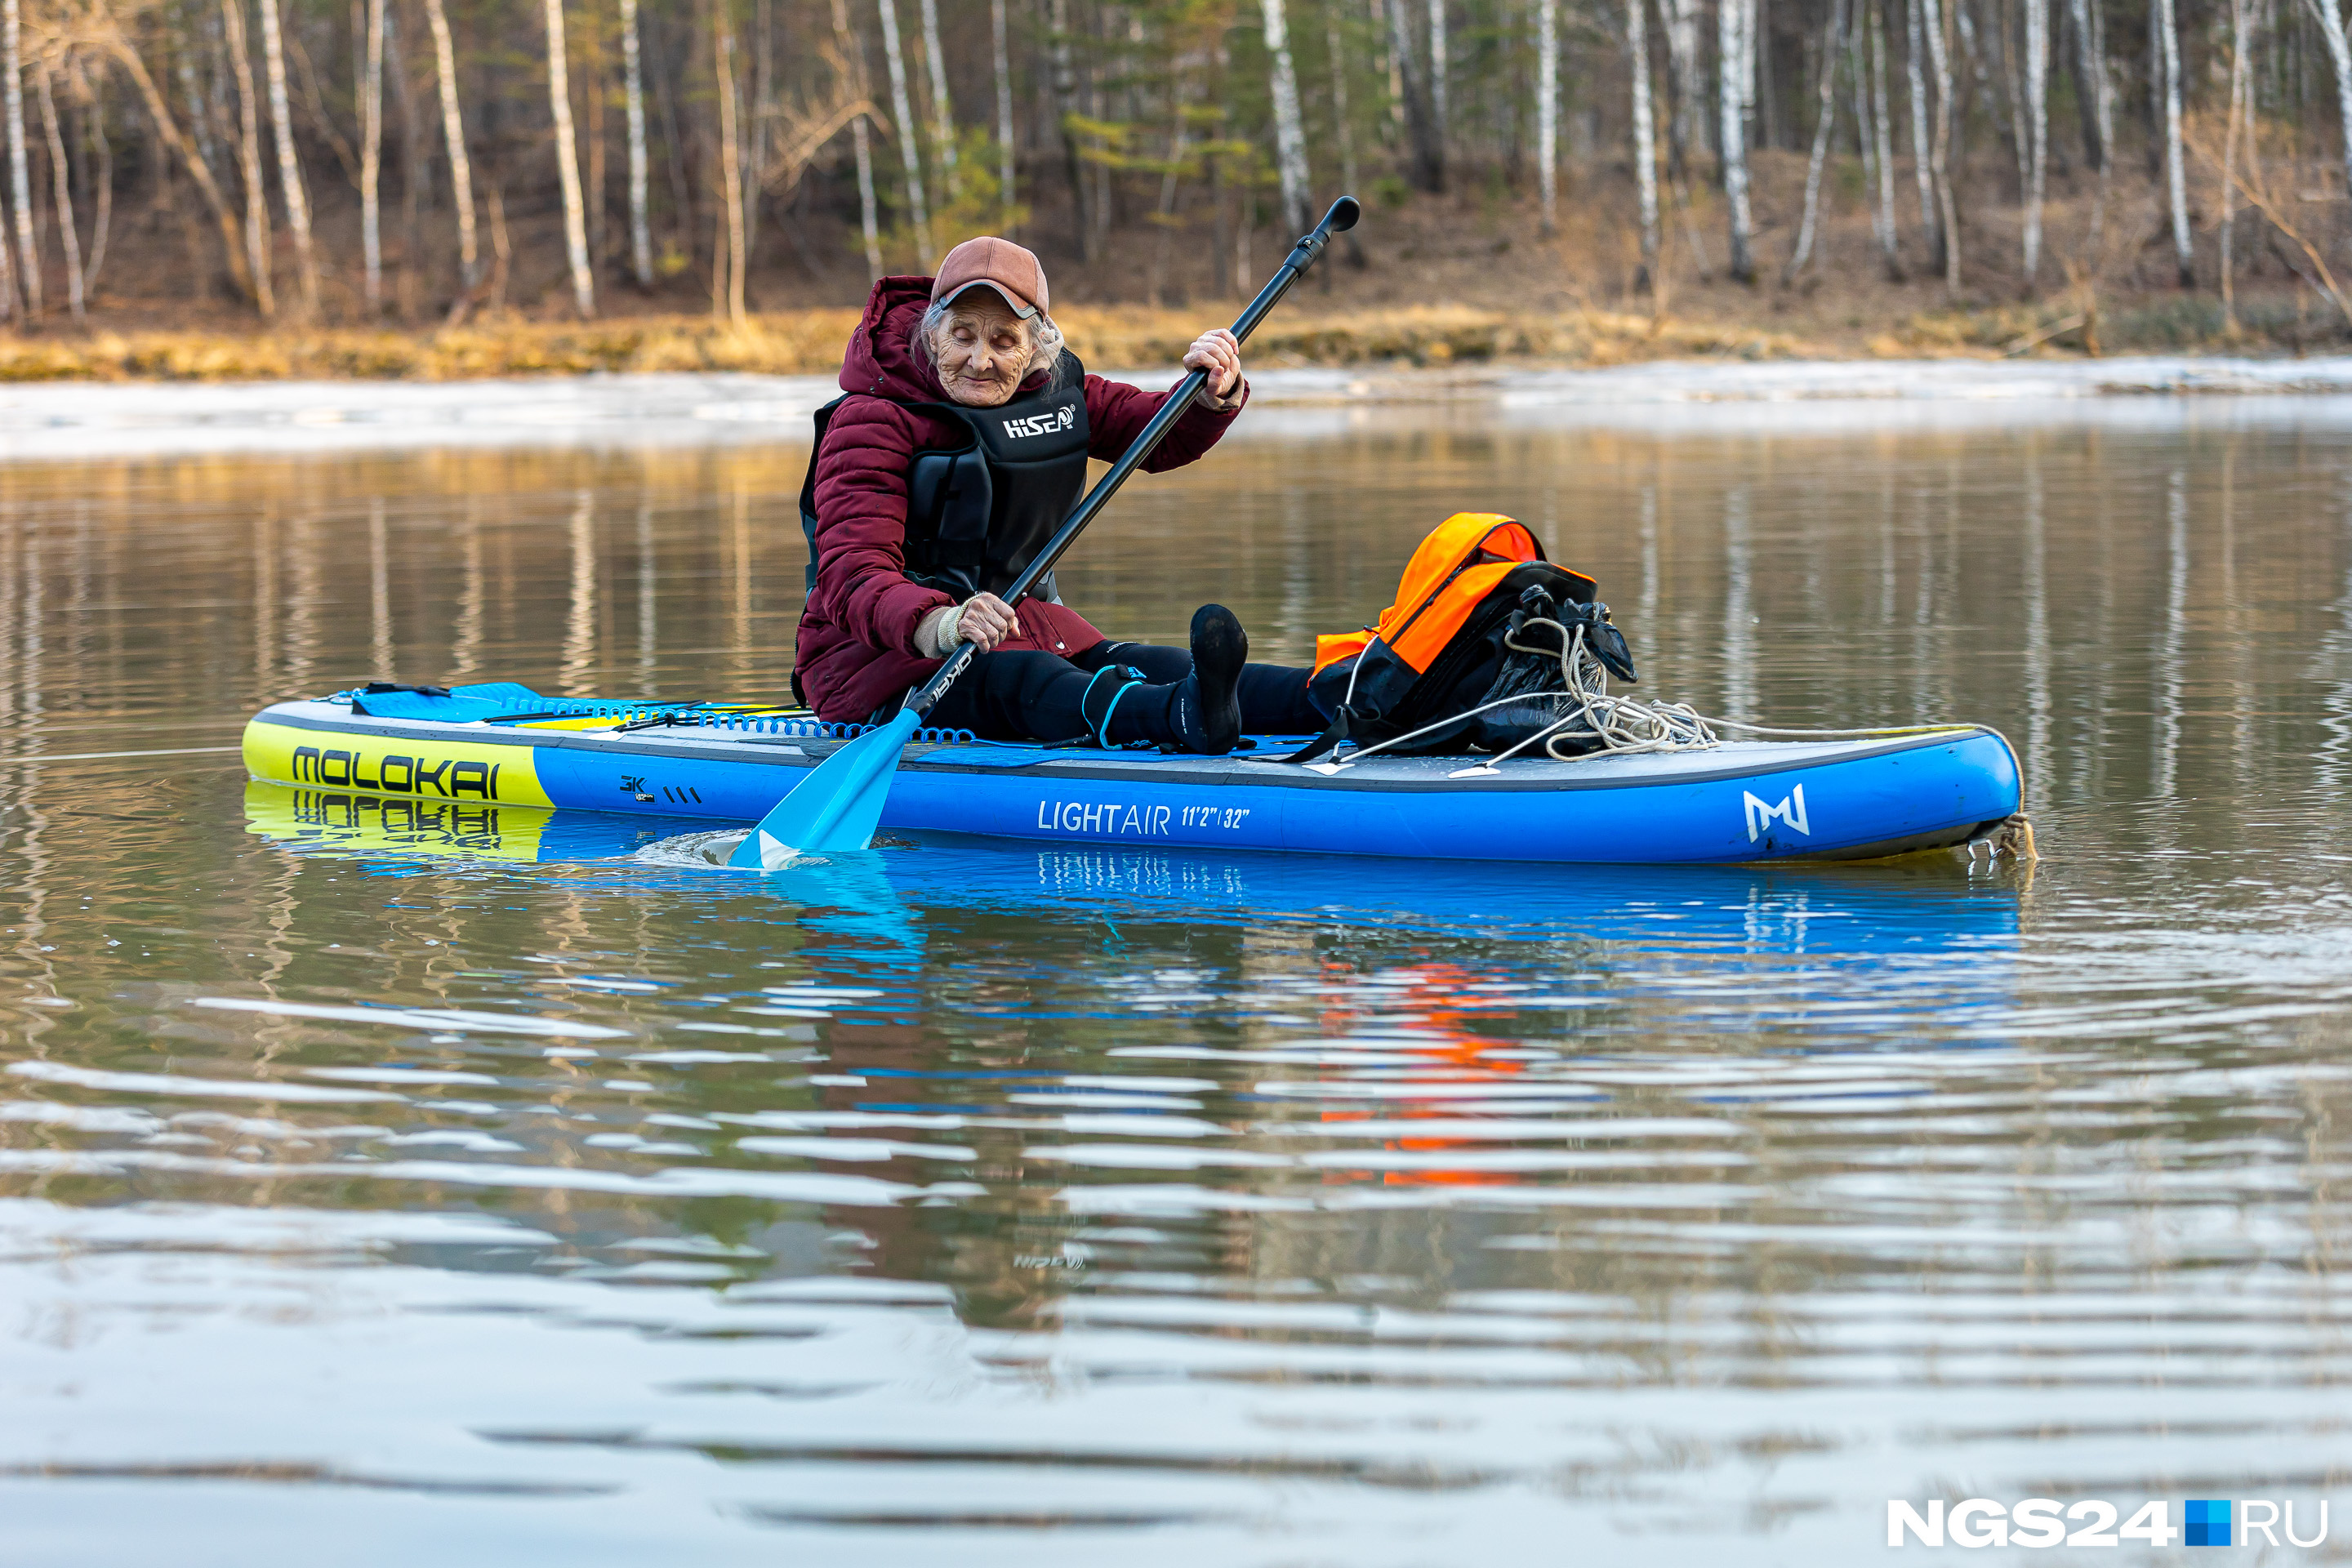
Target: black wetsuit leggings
1025, 695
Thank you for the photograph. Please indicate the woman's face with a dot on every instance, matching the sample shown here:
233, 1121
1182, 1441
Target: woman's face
982, 349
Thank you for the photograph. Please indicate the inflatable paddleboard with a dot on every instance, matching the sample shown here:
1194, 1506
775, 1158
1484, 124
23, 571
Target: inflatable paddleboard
1740, 801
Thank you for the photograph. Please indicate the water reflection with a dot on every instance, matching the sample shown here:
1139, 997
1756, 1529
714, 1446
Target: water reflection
375, 1172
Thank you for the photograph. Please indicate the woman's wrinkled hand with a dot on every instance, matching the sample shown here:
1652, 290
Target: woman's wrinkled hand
1219, 352
985, 621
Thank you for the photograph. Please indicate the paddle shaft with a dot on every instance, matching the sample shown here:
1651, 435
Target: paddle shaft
1342, 216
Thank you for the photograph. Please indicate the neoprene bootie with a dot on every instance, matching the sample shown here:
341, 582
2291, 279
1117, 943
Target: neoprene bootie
1202, 710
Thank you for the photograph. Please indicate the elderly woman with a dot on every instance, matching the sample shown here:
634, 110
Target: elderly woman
960, 447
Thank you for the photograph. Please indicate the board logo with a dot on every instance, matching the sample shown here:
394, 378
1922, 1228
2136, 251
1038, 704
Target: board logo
1042, 424
1790, 811
395, 774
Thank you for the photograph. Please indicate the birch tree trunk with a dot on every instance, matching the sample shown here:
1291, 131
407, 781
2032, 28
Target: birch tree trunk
633, 74
1922, 165
256, 197
1546, 111
567, 161
2091, 86
902, 110
62, 191
2238, 63
1438, 68
8, 300
1731, 50
1645, 140
2339, 55
371, 159
289, 171
730, 263
453, 133
852, 50
1877, 132
2176, 175
943, 125
1825, 120
20, 179
1004, 147
2037, 129
1947, 218
1421, 125
1686, 126
1289, 128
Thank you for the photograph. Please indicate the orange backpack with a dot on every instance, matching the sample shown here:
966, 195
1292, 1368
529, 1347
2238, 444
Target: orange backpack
1435, 652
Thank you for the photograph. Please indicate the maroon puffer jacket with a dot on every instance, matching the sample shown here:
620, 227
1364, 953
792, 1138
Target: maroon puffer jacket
856, 644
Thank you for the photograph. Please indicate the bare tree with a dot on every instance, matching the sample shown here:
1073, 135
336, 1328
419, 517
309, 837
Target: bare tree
248, 149
1289, 128
1420, 121
1440, 64
1646, 139
2176, 173
2090, 95
110, 36
1547, 109
1686, 123
1877, 134
853, 54
641, 237
1004, 144
370, 97
2241, 61
943, 126
2037, 129
567, 161
1825, 123
1947, 226
20, 180
1731, 50
1922, 160
2331, 30
902, 111
453, 135
729, 263
61, 190
289, 171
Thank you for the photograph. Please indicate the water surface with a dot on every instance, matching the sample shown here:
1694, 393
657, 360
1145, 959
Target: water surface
484, 1188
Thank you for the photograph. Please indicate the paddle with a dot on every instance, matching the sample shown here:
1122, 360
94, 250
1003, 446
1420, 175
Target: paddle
838, 807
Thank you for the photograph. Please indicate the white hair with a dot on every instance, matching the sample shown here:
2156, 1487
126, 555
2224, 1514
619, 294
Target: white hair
1045, 338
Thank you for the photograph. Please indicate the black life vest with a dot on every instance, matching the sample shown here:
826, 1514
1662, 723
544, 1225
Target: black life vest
977, 514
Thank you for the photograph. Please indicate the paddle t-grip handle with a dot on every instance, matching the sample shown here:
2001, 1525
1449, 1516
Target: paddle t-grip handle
1339, 220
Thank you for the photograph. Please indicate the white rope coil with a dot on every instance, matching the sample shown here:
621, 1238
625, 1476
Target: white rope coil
1625, 725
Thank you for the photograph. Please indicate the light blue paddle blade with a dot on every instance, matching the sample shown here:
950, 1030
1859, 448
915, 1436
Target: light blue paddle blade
836, 808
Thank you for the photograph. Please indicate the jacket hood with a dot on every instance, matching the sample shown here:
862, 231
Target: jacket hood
881, 359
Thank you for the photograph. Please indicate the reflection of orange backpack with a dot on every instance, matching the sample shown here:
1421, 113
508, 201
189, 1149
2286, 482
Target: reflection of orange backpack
1438, 651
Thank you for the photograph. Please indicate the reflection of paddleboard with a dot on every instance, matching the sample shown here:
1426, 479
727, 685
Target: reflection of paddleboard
1737, 802
1913, 907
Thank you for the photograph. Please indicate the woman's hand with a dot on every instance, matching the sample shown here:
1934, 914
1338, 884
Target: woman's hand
1219, 352
985, 621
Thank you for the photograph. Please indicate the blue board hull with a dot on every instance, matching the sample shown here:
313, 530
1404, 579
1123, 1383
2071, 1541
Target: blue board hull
1739, 802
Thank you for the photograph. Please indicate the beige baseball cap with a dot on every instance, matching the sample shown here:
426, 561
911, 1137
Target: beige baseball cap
997, 264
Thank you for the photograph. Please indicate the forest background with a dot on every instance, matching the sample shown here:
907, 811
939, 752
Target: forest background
212, 188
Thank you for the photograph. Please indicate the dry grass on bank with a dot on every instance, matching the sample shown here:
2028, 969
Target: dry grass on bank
809, 342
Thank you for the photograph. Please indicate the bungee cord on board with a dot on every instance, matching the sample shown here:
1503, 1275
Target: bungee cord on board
1586, 712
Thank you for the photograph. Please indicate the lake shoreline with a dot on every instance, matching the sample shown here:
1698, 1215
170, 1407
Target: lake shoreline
78, 421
